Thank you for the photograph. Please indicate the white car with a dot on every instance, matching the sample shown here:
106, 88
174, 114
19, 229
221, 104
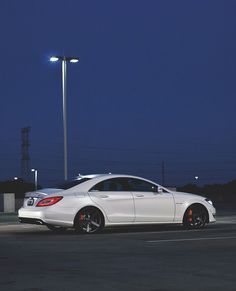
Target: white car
93, 202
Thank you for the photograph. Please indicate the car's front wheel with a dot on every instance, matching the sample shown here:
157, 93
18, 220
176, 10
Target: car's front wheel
89, 220
196, 217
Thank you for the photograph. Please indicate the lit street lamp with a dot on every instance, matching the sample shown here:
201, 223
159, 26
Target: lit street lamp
35, 178
64, 61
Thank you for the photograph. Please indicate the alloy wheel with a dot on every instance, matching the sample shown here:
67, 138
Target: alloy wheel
89, 220
195, 218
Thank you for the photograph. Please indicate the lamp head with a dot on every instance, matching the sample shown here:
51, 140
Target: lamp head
54, 59
74, 60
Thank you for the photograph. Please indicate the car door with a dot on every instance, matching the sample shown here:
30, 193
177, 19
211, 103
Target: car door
115, 199
151, 205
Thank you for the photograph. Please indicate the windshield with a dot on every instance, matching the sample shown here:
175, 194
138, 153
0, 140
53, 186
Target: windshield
70, 184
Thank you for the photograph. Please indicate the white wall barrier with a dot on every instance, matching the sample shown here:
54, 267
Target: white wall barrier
7, 202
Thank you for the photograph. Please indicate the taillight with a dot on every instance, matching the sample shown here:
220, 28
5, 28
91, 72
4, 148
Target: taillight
49, 201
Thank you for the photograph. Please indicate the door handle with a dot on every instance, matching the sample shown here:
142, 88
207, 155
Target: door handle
139, 195
103, 196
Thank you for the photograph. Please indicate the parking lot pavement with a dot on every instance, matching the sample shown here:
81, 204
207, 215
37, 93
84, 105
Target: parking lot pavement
137, 258
226, 219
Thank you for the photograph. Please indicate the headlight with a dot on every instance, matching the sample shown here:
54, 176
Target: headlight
209, 201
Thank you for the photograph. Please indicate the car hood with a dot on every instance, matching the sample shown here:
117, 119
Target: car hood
42, 192
190, 195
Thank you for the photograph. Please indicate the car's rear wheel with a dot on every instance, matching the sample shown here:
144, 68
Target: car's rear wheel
56, 228
196, 217
89, 220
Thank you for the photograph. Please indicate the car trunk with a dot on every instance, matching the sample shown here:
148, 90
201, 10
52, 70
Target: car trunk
32, 198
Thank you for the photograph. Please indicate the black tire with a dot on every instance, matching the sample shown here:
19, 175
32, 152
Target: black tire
89, 220
195, 217
56, 228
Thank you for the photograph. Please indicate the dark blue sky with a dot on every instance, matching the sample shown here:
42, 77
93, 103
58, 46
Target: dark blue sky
156, 82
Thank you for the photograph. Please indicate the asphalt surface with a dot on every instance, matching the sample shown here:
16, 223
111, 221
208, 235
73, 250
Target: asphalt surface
138, 258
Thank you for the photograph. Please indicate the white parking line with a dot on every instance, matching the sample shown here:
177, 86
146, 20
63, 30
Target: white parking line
191, 239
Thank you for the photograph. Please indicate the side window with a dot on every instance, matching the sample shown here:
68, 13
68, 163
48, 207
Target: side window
115, 184
137, 185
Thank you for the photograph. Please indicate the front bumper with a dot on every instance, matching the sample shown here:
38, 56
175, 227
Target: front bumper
212, 214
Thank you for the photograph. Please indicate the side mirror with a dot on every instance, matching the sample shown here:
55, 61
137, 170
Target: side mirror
160, 190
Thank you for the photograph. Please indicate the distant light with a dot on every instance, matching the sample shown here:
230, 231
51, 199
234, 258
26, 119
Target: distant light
74, 60
15, 178
196, 177
33, 170
54, 59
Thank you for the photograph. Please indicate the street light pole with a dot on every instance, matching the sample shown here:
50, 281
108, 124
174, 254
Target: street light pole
64, 93
64, 61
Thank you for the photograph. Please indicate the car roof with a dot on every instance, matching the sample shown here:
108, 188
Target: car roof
96, 178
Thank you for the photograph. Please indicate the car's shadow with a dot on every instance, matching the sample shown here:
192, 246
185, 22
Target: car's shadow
111, 230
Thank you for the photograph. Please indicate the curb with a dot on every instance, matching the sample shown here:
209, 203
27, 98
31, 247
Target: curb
8, 217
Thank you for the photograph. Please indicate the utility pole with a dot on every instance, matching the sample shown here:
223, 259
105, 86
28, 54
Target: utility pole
25, 157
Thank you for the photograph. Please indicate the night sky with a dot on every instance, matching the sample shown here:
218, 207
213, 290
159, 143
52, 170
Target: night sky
156, 82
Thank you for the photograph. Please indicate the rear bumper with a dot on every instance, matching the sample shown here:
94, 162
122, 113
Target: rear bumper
31, 213
41, 217
31, 221
31, 216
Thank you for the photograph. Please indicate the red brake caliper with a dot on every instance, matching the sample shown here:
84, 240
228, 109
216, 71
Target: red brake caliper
81, 217
190, 215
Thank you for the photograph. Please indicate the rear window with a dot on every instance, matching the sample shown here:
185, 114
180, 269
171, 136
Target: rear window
70, 184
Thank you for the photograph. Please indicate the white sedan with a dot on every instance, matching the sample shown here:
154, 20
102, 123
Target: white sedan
93, 202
